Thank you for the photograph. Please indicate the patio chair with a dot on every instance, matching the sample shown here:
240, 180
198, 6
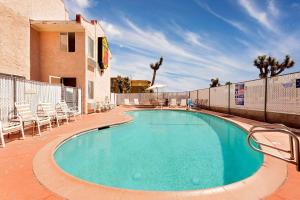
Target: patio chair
100, 107
27, 116
64, 108
183, 103
48, 110
10, 127
136, 101
109, 104
126, 102
173, 103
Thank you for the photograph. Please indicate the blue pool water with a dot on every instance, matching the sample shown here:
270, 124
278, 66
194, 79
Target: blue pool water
161, 150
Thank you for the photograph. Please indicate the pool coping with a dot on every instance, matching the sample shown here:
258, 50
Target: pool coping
270, 176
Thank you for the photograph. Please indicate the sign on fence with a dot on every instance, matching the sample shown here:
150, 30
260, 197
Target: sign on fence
298, 83
240, 94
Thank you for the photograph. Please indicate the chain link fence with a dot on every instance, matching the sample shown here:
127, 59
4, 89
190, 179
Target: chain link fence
15, 89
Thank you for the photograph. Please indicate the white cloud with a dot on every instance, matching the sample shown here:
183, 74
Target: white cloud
273, 10
110, 29
260, 16
79, 6
83, 3
233, 23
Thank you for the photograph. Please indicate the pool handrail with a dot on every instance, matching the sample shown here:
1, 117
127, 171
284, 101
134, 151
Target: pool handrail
293, 140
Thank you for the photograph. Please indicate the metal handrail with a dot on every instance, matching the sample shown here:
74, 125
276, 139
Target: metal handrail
293, 139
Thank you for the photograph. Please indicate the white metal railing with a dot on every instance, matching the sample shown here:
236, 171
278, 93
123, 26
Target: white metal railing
293, 150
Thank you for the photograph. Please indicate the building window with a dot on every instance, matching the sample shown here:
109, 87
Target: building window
91, 89
90, 47
67, 42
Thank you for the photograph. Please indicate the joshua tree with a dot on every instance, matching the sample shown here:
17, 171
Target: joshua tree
269, 65
155, 67
214, 82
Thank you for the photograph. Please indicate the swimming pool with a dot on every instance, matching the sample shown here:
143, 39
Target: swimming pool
162, 151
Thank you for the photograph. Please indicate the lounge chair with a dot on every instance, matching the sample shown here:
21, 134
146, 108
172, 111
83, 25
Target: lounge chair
183, 103
173, 103
64, 108
126, 102
136, 101
48, 110
10, 127
26, 115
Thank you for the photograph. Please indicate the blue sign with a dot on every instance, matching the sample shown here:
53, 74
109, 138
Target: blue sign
298, 83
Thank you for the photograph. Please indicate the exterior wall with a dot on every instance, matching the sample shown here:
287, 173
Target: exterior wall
14, 42
34, 55
48, 10
101, 80
54, 62
15, 31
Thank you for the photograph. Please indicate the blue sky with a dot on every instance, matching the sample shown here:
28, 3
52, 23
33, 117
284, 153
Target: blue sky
199, 39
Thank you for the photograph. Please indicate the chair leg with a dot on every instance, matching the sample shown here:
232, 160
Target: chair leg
22, 132
50, 125
2, 140
39, 129
57, 121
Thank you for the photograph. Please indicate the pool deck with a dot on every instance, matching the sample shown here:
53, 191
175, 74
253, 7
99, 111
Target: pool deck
18, 179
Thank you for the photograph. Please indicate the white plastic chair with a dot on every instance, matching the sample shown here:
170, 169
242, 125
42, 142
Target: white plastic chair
173, 103
126, 102
183, 103
26, 115
64, 108
136, 101
48, 110
9, 127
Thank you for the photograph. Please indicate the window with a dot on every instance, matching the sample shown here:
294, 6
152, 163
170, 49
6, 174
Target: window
67, 42
90, 47
91, 90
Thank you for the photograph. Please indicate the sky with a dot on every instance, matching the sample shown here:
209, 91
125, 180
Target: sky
198, 39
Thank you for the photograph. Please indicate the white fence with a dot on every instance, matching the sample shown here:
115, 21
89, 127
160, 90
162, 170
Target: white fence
14, 89
282, 96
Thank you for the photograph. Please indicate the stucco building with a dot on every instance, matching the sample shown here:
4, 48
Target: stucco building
39, 42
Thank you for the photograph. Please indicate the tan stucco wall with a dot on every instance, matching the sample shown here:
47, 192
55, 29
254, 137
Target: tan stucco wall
55, 62
15, 31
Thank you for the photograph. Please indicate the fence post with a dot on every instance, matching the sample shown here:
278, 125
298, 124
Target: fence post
266, 99
15, 94
229, 85
209, 98
197, 100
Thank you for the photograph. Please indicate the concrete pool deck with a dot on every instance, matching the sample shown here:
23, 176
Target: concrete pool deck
18, 181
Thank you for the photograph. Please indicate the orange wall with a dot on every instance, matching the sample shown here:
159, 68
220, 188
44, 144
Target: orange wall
34, 55
55, 62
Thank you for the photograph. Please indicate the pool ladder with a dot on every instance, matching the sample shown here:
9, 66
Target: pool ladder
293, 151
